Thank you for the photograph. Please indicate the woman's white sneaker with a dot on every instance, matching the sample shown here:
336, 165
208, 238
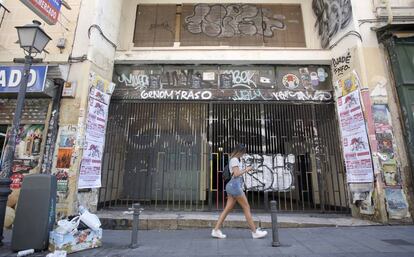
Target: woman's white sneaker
217, 234
259, 234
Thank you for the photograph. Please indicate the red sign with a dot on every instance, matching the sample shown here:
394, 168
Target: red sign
48, 10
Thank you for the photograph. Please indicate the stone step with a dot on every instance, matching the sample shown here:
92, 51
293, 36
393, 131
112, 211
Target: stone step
150, 220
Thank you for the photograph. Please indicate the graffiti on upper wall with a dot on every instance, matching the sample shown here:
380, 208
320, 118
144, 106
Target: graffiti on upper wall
249, 95
303, 96
240, 78
224, 83
270, 172
218, 20
341, 65
331, 17
177, 94
159, 79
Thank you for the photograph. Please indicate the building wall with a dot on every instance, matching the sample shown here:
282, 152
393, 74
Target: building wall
20, 15
86, 52
127, 53
93, 26
374, 70
95, 15
370, 64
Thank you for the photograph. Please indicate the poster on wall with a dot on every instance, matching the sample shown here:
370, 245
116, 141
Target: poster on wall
355, 143
396, 203
97, 114
27, 153
63, 167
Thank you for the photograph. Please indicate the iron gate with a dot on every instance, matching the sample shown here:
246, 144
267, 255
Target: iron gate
170, 155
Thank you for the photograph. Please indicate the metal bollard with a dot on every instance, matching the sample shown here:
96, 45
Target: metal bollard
275, 232
136, 208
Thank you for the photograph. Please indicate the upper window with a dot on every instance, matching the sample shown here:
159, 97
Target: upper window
271, 25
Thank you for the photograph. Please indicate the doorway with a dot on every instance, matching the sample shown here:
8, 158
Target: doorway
170, 155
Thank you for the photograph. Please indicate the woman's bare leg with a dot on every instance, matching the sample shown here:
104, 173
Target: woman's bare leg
242, 200
229, 207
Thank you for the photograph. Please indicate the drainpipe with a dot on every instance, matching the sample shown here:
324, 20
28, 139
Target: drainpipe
389, 11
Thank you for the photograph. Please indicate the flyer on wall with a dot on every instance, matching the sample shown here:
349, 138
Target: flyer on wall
355, 139
90, 171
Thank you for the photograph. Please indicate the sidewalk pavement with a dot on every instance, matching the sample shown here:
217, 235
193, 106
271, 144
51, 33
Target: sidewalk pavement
378, 241
149, 220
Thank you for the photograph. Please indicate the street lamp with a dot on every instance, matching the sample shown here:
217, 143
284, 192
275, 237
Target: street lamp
33, 39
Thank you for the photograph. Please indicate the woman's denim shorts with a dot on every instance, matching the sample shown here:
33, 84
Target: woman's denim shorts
234, 186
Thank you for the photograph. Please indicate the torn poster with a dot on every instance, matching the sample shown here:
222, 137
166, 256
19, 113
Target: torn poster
397, 205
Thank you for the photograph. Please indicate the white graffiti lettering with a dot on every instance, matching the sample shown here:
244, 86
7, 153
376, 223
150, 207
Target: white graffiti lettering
270, 172
176, 94
242, 78
248, 95
139, 82
302, 96
206, 95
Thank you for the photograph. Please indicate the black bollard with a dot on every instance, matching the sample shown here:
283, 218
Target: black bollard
136, 208
275, 233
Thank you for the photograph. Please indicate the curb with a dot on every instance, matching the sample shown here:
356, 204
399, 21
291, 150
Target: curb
180, 224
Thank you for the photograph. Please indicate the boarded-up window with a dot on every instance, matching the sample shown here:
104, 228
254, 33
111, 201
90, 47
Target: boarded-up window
155, 25
293, 34
271, 25
242, 25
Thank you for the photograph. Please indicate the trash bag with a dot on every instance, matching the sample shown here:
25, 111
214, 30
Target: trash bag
68, 226
89, 219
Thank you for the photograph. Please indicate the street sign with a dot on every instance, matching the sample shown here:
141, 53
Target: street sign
11, 77
48, 10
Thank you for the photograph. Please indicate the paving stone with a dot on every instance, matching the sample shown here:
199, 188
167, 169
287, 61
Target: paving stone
297, 242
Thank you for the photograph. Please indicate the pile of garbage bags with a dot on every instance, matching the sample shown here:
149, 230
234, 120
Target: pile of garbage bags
84, 220
76, 233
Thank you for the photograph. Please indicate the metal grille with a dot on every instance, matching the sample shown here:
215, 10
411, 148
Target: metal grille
269, 130
156, 154
159, 154
34, 111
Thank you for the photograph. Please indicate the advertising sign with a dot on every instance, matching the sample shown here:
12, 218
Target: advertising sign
12, 76
48, 10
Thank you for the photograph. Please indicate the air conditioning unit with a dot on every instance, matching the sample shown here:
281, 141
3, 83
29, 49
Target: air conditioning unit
400, 9
393, 3
407, 13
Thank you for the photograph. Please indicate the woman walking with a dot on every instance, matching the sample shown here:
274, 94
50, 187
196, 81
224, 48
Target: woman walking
235, 194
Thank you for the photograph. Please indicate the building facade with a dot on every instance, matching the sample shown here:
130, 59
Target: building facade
307, 86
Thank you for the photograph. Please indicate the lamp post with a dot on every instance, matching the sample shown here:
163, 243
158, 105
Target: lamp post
33, 39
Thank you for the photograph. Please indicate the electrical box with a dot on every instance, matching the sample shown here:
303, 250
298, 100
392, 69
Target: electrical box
69, 89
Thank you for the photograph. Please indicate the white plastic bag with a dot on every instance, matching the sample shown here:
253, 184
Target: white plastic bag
89, 219
67, 226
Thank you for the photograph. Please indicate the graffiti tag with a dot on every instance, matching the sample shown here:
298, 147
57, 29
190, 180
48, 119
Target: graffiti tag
176, 94
302, 96
332, 16
139, 82
248, 95
341, 64
218, 20
242, 78
271, 172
